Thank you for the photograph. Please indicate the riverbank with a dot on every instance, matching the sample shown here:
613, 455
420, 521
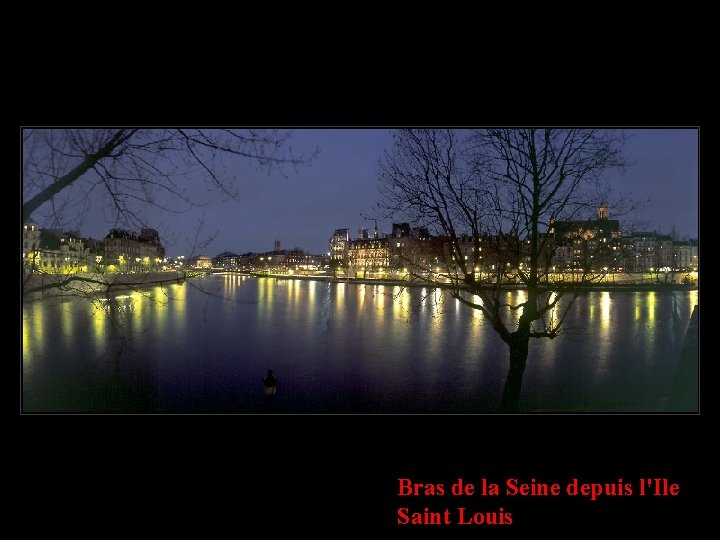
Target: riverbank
51, 285
633, 287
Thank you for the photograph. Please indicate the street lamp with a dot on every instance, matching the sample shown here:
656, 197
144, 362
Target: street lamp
270, 382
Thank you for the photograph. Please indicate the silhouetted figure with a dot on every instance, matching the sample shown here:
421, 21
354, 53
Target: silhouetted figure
270, 382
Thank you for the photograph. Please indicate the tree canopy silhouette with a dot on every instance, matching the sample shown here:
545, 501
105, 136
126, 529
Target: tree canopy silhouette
491, 197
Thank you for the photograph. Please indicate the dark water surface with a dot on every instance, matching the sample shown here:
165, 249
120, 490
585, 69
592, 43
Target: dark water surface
338, 348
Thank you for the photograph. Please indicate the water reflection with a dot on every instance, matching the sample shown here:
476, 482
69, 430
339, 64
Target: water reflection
400, 303
67, 320
339, 295
178, 299
651, 329
362, 291
651, 307
98, 314
603, 337
379, 303
605, 312
33, 331
26, 338
342, 347
312, 293
160, 298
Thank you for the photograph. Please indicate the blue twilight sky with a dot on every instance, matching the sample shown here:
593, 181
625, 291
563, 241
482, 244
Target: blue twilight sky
341, 186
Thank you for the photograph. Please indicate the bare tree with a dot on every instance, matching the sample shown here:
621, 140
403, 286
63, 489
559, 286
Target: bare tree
490, 198
136, 169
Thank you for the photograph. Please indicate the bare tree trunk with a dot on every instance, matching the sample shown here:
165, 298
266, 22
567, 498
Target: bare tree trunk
518, 346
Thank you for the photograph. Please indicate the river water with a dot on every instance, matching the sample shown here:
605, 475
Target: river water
205, 346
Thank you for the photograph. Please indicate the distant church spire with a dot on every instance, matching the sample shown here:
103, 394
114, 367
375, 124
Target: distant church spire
376, 231
603, 211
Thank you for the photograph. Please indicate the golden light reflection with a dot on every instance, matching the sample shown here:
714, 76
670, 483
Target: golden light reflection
136, 304
636, 303
651, 307
67, 320
160, 306
33, 329
605, 312
266, 291
291, 289
98, 314
436, 301
603, 337
362, 291
178, 296
33, 337
475, 323
424, 299
396, 309
522, 296
513, 316
476, 313
379, 303
340, 296
400, 302
26, 338
37, 327
554, 310
270, 289
650, 356
435, 325
231, 283
405, 299
312, 287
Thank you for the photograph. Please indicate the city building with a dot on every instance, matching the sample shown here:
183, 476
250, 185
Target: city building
51, 251
368, 256
227, 260
647, 252
685, 256
31, 246
124, 251
200, 261
591, 245
338, 253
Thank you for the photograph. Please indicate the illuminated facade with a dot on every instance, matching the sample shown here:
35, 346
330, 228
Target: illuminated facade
339, 243
123, 251
31, 246
227, 260
586, 246
685, 255
200, 262
372, 255
55, 253
31, 238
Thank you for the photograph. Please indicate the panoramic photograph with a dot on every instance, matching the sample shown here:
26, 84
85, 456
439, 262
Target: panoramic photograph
363, 271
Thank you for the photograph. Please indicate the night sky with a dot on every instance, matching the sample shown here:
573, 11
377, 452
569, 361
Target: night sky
340, 188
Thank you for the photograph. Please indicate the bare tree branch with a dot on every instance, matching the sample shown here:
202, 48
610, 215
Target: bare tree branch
490, 196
